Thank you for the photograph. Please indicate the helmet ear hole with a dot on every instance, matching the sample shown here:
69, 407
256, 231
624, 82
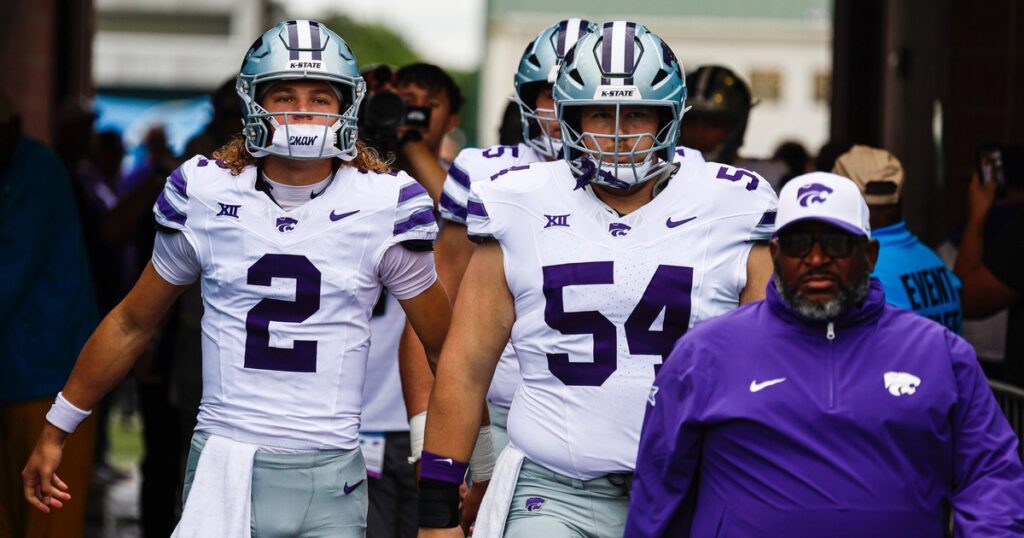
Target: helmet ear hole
658, 77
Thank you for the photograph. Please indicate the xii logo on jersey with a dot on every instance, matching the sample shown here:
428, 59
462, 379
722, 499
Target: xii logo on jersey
557, 220
286, 224
619, 229
228, 210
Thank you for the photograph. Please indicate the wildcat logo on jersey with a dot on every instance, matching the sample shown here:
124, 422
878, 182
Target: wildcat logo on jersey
302, 140
557, 220
900, 383
306, 65
815, 193
534, 504
286, 224
619, 229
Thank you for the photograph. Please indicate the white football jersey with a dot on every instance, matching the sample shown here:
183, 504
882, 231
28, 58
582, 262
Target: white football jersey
472, 165
484, 164
383, 403
288, 296
600, 299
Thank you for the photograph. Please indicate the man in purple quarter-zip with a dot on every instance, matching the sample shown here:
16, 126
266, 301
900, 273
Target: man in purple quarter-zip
823, 411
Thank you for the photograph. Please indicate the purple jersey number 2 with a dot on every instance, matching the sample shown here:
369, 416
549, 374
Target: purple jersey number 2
668, 290
259, 354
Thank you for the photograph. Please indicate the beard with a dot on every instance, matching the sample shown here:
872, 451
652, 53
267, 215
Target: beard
847, 297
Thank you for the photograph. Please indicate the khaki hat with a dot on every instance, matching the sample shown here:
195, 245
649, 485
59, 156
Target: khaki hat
866, 165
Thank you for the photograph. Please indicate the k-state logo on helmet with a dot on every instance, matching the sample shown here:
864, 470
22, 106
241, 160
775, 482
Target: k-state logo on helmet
534, 504
286, 224
302, 140
617, 92
900, 383
305, 65
815, 193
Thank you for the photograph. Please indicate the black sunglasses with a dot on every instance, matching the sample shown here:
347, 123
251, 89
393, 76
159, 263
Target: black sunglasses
832, 245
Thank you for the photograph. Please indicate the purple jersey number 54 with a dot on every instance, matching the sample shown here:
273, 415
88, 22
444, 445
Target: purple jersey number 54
668, 290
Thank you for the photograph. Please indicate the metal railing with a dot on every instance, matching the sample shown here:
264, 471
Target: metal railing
1011, 400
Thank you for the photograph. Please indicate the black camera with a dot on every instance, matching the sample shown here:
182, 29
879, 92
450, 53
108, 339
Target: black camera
383, 112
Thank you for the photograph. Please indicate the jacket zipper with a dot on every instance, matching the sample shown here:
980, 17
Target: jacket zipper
830, 334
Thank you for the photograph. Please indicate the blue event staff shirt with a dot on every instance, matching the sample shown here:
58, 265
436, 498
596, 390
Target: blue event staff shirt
915, 278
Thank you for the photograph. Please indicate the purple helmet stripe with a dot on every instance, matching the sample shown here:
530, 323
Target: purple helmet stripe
168, 211
178, 182
560, 40
411, 191
419, 218
606, 49
630, 45
476, 209
293, 41
584, 28
460, 177
453, 207
314, 40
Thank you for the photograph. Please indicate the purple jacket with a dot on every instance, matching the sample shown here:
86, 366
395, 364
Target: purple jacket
864, 427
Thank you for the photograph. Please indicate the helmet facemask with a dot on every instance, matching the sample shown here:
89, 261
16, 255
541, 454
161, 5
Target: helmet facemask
534, 120
625, 165
274, 133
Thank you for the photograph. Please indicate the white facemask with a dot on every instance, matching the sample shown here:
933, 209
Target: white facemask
305, 141
628, 173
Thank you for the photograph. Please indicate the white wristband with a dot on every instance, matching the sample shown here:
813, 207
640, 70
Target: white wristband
481, 463
417, 425
65, 416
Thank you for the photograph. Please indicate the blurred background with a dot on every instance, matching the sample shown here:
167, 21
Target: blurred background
929, 80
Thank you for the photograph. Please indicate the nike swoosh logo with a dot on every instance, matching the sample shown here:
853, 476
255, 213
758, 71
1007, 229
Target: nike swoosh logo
313, 195
673, 223
349, 489
757, 387
343, 215
446, 460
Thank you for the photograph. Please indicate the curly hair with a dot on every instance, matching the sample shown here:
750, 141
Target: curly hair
235, 157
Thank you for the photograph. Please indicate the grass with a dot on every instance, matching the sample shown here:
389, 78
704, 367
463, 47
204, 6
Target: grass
125, 437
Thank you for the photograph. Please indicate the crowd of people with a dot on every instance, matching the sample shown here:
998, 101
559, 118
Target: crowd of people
610, 324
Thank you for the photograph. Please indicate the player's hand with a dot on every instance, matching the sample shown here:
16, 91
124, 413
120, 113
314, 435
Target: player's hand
980, 198
454, 532
471, 505
43, 488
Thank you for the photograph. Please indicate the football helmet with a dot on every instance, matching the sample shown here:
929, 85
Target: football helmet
292, 50
620, 64
717, 92
537, 69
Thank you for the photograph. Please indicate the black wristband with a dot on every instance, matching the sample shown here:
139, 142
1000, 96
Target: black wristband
438, 504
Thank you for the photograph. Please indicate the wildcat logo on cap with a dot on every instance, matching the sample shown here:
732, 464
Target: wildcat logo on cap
815, 193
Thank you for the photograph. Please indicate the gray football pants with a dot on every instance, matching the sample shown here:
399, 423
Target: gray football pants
310, 495
552, 505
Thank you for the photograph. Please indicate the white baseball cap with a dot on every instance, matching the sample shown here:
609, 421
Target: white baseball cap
823, 197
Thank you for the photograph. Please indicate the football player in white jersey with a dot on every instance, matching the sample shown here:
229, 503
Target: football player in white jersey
292, 231
594, 266
534, 80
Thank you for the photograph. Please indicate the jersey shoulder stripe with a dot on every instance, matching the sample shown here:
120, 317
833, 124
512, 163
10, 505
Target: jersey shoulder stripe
478, 164
171, 207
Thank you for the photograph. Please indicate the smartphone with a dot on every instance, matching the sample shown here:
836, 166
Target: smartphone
990, 166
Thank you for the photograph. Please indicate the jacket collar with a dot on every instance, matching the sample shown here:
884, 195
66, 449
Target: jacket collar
867, 311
